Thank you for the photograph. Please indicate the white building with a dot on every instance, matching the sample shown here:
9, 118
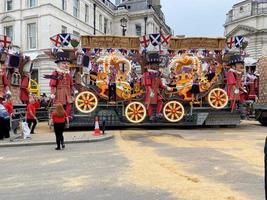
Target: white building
30, 23
249, 18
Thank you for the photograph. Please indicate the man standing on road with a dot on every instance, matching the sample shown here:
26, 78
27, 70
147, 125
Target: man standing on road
31, 115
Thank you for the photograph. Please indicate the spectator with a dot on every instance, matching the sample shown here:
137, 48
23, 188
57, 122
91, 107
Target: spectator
36, 102
31, 115
4, 119
60, 119
43, 101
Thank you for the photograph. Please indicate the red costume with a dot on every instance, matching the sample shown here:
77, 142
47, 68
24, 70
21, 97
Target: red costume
24, 91
231, 83
153, 84
62, 90
3, 86
251, 86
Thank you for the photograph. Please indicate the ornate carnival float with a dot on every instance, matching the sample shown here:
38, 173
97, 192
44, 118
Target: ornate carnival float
126, 85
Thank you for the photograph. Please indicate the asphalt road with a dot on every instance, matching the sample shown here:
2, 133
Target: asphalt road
183, 164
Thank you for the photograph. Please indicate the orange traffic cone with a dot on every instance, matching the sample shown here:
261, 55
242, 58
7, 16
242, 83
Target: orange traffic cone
97, 130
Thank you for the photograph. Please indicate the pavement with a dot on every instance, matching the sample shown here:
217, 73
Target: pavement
45, 136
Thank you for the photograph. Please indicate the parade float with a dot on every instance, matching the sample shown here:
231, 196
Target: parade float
124, 84
261, 104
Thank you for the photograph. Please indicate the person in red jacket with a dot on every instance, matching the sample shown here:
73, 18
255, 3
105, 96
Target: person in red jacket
36, 102
60, 120
31, 115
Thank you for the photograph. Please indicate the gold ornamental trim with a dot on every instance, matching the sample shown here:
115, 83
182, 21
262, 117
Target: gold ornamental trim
117, 42
197, 43
133, 43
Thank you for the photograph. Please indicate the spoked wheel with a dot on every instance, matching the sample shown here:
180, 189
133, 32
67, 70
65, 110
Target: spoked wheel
135, 112
86, 102
218, 98
173, 111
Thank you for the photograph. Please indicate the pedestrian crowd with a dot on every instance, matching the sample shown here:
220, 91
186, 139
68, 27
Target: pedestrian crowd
7, 112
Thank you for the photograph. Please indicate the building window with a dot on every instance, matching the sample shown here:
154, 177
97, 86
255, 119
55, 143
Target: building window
32, 3
86, 15
105, 25
9, 4
138, 29
110, 28
77, 34
35, 75
31, 34
76, 4
8, 31
64, 29
63, 4
100, 22
241, 9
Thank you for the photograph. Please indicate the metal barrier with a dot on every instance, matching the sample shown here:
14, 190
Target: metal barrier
19, 115
15, 123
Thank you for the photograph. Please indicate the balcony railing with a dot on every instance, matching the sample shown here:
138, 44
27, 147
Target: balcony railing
255, 12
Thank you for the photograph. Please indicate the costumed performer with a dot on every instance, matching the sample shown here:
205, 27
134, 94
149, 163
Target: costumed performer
61, 82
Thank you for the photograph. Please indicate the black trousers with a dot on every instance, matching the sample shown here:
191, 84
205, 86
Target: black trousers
103, 127
59, 129
4, 128
7, 128
32, 124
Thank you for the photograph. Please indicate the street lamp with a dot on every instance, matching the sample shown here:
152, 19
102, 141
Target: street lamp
124, 25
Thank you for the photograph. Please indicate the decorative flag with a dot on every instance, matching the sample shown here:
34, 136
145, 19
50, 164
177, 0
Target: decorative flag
97, 51
239, 41
155, 39
205, 52
230, 42
86, 51
193, 51
5, 41
218, 52
54, 50
165, 39
123, 51
144, 41
74, 43
56, 40
182, 51
65, 39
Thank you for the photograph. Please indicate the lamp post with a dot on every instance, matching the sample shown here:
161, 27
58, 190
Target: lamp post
124, 25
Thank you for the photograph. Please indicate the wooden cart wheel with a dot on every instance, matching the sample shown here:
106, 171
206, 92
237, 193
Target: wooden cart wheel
173, 111
86, 102
218, 98
135, 112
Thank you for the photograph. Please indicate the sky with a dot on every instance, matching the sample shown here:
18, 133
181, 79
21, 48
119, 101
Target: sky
197, 17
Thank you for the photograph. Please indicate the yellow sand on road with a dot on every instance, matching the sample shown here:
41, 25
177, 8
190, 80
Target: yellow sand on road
149, 170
